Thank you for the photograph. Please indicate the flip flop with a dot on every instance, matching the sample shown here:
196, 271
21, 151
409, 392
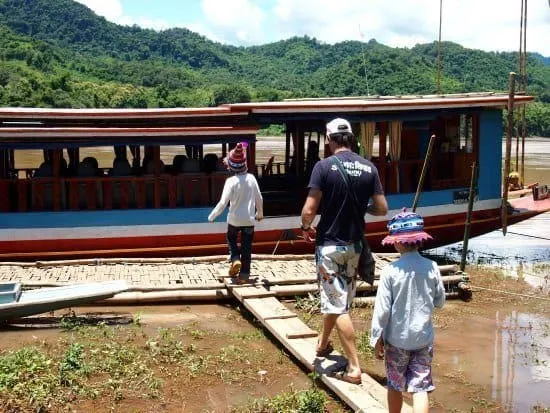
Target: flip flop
343, 375
325, 351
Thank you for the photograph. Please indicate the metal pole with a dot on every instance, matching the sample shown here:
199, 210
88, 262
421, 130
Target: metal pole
504, 206
523, 133
523, 128
424, 171
467, 225
439, 49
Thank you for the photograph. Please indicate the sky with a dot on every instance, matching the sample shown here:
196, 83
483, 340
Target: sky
490, 25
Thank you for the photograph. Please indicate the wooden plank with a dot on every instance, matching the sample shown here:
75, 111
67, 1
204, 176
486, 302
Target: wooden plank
268, 308
291, 327
301, 341
370, 396
251, 292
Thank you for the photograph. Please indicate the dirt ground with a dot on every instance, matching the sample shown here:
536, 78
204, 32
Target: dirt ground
492, 354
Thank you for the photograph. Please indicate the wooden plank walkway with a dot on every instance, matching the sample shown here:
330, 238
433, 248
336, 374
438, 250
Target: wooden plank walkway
167, 274
300, 340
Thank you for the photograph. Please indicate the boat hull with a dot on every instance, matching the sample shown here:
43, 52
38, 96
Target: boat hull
274, 235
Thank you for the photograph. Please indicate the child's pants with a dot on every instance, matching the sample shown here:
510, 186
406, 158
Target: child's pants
247, 234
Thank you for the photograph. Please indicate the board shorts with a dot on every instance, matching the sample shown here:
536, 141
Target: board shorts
409, 370
336, 275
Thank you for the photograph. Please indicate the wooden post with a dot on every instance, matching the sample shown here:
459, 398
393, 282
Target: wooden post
523, 134
467, 225
57, 154
287, 148
251, 155
505, 179
3, 163
383, 131
156, 157
423, 173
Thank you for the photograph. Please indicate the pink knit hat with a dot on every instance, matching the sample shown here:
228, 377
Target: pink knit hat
236, 161
406, 228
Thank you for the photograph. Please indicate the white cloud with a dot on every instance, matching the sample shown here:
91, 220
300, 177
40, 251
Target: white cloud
235, 21
491, 25
481, 24
113, 11
110, 9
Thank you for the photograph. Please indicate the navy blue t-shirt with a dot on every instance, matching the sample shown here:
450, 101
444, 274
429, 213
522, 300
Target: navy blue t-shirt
338, 223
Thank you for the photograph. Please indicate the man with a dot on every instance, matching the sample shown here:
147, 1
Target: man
338, 236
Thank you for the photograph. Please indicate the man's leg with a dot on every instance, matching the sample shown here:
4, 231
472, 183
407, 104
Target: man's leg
345, 329
421, 403
329, 321
395, 401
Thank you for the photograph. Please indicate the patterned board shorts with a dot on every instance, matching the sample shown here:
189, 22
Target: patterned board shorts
336, 268
409, 370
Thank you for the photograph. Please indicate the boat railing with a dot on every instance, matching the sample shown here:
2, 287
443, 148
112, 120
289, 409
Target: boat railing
266, 169
108, 192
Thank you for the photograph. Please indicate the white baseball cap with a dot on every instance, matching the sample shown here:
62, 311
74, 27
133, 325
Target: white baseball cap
338, 126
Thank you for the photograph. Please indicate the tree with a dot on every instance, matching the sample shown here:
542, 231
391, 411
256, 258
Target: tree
230, 94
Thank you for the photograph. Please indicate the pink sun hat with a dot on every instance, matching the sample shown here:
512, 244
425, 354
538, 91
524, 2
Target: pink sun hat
406, 228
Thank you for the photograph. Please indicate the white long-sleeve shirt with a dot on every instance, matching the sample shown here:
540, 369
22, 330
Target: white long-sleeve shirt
409, 290
244, 197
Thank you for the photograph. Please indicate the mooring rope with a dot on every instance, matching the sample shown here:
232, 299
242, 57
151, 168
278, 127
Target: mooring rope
508, 292
527, 235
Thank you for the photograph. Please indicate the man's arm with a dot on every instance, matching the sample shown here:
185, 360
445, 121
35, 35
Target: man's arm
311, 206
379, 205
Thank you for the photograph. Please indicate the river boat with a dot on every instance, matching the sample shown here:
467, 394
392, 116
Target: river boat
167, 173
42, 300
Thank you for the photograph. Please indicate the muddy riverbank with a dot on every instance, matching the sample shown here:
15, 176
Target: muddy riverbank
492, 355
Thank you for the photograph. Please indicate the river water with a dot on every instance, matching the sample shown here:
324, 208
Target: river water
525, 250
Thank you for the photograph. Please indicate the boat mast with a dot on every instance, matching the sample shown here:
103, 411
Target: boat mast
439, 49
509, 131
522, 88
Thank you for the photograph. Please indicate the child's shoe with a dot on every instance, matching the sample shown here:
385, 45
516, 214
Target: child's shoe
235, 268
243, 279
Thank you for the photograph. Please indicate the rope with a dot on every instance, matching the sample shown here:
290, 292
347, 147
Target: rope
509, 292
527, 235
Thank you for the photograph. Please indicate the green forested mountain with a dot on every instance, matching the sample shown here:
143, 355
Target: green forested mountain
58, 53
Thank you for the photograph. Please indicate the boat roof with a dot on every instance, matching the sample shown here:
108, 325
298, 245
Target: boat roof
382, 103
29, 137
48, 117
35, 127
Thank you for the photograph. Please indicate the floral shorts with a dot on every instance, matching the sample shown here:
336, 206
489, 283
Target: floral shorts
336, 268
409, 370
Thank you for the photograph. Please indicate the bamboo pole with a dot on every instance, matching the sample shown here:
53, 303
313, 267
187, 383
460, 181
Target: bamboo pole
467, 225
439, 49
361, 302
505, 178
424, 171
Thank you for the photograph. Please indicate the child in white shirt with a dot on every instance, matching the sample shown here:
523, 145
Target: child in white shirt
242, 193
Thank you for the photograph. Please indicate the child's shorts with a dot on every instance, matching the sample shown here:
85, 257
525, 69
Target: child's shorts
409, 370
336, 268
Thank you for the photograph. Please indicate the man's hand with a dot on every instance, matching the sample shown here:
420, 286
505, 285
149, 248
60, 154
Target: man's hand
259, 217
309, 234
379, 349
